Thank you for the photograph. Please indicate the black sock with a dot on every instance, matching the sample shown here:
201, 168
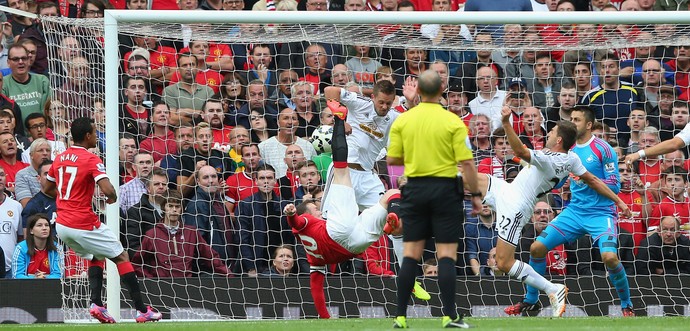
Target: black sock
446, 284
406, 278
130, 280
339, 142
96, 285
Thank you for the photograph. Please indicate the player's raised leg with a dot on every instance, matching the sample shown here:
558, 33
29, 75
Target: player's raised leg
341, 174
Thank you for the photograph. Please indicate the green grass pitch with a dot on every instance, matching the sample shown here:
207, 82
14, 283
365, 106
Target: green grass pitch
509, 323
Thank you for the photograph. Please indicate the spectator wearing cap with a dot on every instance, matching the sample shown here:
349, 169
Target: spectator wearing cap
457, 103
517, 98
667, 96
489, 98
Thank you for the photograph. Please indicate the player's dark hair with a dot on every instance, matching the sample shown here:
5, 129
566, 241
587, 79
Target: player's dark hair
158, 171
303, 207
680, 104
307, 163
498, 133
385, 87
263, 167
568, 133
544, 55
172, 197
33, 116
588, 112
6, 114
568, 85
247, 146
30, 223
610, 57
182, 55
80, 128
676, 170
406, 4
45, 163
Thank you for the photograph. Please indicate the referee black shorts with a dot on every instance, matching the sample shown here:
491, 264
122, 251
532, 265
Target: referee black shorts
432, 207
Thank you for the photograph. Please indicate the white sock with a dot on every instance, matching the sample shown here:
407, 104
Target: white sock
525, 273
397, 247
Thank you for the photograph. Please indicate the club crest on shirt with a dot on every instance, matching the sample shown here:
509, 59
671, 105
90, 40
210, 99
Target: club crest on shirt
590, 159
10, 213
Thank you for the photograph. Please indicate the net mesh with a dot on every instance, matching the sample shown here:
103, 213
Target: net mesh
76, 65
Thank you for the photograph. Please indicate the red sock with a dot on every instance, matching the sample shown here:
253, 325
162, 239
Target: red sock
124, 268
339, 164
97, 263
393, 197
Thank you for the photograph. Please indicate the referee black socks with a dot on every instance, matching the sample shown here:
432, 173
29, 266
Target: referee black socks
446, 284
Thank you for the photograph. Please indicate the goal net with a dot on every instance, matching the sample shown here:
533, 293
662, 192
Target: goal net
244, 71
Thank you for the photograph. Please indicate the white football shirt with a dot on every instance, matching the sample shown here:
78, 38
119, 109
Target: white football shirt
369, 130
546, 171
685, 135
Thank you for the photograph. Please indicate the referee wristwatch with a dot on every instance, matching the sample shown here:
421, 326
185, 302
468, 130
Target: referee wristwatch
476, 194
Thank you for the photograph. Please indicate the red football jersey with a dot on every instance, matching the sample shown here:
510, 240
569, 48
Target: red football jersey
320, 248
670, 207
75, 173
240, 187
210, 78
636, 225
39, 262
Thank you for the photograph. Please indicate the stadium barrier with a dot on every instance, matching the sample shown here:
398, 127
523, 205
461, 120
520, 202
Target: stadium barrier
176, 299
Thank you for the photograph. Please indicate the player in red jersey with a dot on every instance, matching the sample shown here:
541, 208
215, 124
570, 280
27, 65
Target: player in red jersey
346, 234
73, 174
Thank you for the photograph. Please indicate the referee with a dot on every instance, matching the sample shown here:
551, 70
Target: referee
430, 142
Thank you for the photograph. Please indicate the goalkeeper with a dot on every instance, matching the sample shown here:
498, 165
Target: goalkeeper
346, 234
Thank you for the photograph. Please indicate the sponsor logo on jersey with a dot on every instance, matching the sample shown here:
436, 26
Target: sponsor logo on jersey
100, 167
368, 129
591, 159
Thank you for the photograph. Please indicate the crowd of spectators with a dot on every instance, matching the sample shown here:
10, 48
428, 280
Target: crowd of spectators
214, 137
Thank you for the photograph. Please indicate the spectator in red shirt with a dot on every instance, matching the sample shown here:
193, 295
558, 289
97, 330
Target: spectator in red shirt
634, 193
161, 141
650, 167
241, 185
8, 159
128, 148
495, 165
673, 185
534, 135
